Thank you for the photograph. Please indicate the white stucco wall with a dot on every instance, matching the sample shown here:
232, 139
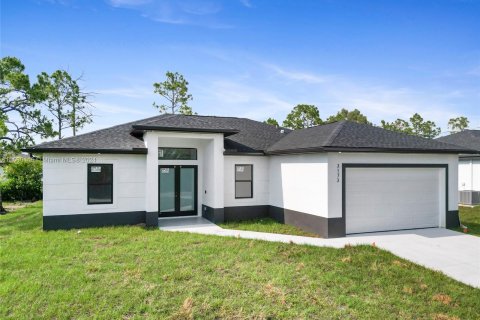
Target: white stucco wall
260, 180
65, 183
469, 175
476, 175
335, 161
300, 183
212, 189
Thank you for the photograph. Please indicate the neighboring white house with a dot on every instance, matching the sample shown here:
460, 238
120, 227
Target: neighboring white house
335, 179
468, 166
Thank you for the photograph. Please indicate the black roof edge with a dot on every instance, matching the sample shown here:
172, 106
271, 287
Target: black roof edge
297, 150
226, 132
470, 156
372, 150
73, 150
235, 153
399, 150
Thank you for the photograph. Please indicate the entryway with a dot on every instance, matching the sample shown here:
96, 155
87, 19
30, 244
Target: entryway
187, 223
177, 190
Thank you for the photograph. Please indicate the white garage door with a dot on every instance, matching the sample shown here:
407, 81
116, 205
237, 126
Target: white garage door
381, 199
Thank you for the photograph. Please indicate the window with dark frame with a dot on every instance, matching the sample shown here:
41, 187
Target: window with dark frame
100, 183
167, 153
243, 181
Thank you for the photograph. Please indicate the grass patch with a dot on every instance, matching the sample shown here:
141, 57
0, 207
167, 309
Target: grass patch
470, 217
138, 273
266, 225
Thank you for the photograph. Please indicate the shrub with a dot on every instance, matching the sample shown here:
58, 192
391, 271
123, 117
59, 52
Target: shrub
22, 180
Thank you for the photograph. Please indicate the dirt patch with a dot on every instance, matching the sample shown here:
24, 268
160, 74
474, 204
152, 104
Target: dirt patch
13, 206
443, 298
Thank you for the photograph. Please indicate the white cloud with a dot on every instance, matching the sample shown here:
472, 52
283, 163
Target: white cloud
180, 12
474, 71
295, 75
200, 8
236, 98
247, 3
132, 3
378, 101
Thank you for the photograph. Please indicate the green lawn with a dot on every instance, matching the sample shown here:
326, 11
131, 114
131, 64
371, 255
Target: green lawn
137, 273
266, 225
470, 217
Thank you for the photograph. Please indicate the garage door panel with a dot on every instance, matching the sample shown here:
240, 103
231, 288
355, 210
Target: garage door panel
380, 199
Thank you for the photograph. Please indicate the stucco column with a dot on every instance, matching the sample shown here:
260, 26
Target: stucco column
151, 181
218, 165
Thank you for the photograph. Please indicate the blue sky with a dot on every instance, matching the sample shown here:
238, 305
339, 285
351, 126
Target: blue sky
258, 58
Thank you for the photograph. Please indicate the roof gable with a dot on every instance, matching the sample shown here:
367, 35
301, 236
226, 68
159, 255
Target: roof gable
352, 136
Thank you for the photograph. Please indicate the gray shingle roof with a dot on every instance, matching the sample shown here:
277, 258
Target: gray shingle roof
249, 136
241, 135
466, 139
352, 136
115, 139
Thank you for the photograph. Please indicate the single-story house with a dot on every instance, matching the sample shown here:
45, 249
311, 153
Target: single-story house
333, 179
468, 165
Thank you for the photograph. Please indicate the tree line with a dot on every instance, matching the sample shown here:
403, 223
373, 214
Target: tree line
56, 102
306, 115
46, 108
175, 91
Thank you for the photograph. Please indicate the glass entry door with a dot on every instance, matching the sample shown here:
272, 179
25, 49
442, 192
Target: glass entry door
177, 191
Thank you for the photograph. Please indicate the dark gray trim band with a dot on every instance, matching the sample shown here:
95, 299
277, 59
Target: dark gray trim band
246, 213
369, 150
215, 215
151, 219
234, 153
469, 157
160, 128
452, 219
325, 227
390, 165
92, 220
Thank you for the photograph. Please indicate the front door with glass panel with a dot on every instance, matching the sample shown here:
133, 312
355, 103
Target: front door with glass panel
177, 195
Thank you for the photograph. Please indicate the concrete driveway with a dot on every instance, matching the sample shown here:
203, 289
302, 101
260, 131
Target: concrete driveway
455, 254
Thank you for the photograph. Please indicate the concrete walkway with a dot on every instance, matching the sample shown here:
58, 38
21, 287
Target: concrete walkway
455, 254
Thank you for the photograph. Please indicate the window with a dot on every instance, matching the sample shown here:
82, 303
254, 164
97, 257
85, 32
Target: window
100, 183
243, 181
177, 153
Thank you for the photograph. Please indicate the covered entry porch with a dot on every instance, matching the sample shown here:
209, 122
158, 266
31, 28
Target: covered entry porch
184, 174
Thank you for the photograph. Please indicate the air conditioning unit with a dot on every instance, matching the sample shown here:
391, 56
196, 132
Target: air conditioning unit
469, 197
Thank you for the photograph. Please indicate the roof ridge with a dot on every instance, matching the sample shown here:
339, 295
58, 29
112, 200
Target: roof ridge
211, 116
161, 116
335, 133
